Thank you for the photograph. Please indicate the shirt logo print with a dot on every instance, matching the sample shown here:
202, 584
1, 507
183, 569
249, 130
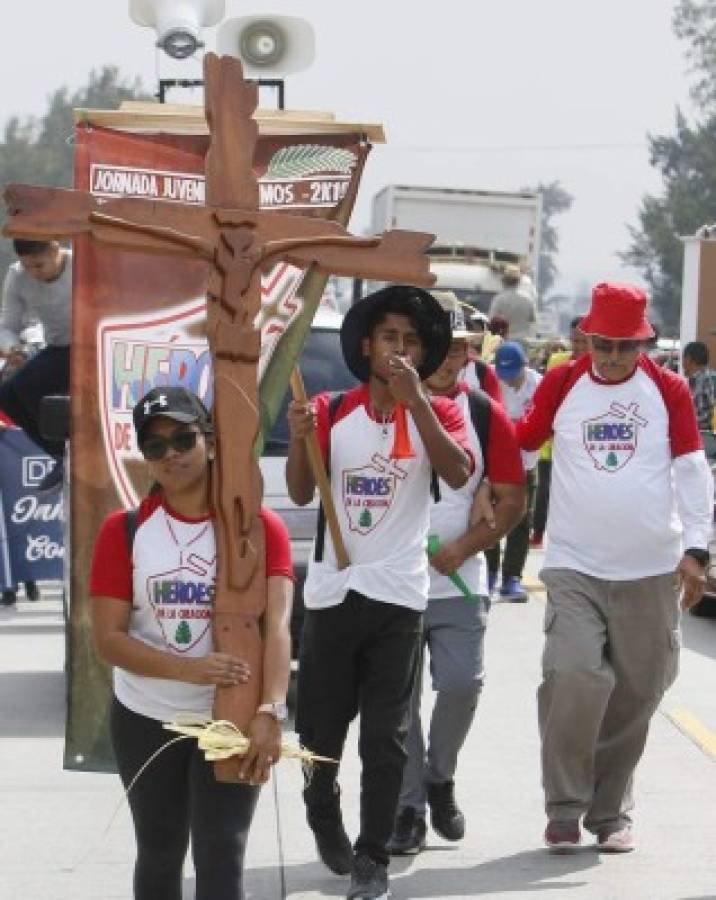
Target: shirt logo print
369, 491
182, 601
611, 439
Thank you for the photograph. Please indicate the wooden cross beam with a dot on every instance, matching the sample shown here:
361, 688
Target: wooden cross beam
238, 241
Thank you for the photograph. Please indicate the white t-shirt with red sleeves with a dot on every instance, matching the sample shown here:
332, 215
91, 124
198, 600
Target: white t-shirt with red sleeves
382, 505
169, 578
612, 509
517, 400
449, 517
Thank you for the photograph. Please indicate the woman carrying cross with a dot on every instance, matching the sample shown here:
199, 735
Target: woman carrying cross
152, 588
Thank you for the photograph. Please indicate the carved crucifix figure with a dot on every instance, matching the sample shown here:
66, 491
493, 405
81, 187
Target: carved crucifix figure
238, 241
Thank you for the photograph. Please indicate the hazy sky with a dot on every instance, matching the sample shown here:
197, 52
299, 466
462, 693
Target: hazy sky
472, 94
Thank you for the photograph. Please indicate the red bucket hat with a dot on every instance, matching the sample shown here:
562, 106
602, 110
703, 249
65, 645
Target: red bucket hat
618, 311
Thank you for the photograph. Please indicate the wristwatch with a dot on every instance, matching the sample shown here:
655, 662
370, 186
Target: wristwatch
703, 557
278, 710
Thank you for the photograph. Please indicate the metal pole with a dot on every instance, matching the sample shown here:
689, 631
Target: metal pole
166, 83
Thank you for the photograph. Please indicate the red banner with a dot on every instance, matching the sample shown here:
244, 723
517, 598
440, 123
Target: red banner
138, 322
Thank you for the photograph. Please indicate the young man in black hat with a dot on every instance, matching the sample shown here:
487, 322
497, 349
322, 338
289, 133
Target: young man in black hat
362, 626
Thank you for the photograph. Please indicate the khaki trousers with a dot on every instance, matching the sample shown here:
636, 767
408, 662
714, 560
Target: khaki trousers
611, 651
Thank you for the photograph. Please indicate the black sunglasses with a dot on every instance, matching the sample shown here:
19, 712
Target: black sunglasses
605, 346
155, 448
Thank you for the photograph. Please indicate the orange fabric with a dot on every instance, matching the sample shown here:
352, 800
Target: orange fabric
402, 448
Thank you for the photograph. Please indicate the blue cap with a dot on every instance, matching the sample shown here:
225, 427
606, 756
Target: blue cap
510, 360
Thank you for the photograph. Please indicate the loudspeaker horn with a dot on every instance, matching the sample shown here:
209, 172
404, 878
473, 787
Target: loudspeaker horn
268, 46
177, 22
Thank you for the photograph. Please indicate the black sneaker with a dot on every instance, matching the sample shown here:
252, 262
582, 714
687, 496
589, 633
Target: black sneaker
53, 480
445, 815
408, 836
323, 813
369, 880
9, 598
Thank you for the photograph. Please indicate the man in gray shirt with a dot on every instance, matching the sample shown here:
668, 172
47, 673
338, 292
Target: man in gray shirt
515, 305
38, 288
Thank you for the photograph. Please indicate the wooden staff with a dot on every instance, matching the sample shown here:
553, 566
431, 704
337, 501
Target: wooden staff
320, 476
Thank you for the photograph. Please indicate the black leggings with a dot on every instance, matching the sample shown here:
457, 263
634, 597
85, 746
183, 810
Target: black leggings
178, 796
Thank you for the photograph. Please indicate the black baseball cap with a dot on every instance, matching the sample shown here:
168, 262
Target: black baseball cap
176, 403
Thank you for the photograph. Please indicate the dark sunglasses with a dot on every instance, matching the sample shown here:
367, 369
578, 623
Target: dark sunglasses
155, 448
605, 346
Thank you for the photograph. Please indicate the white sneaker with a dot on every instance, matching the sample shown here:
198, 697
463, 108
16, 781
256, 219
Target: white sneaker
621, 841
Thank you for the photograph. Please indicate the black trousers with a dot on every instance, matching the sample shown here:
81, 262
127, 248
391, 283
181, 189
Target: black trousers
517, 542
360, 657
544, 478
48, 372
178, 796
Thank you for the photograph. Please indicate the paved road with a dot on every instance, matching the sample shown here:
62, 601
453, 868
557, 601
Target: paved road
54, 842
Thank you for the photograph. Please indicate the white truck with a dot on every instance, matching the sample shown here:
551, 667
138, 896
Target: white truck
477, 233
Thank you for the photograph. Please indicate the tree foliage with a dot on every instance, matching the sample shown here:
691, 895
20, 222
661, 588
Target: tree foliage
39, 150
555, 201
686, 161
695, 24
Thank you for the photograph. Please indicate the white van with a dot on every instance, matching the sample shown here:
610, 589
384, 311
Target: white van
323, 369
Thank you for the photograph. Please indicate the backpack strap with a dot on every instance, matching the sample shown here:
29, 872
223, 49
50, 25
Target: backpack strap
131, 520
333, 403
481, 413
434, 486
480, 370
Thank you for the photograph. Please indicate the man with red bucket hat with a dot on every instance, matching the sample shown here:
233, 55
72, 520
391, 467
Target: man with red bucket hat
631, 505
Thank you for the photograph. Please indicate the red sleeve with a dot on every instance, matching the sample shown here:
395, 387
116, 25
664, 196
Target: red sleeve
111, 572
349, 401
535, 426
504, 460
491, 384
451, 418
684, 433
278, 545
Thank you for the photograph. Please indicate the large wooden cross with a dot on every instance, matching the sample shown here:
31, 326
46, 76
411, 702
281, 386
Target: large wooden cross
238, 241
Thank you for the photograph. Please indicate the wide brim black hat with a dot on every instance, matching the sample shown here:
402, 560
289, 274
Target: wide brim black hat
436, 342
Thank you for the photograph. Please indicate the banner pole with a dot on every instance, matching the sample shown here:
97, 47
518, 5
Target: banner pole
320, 476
